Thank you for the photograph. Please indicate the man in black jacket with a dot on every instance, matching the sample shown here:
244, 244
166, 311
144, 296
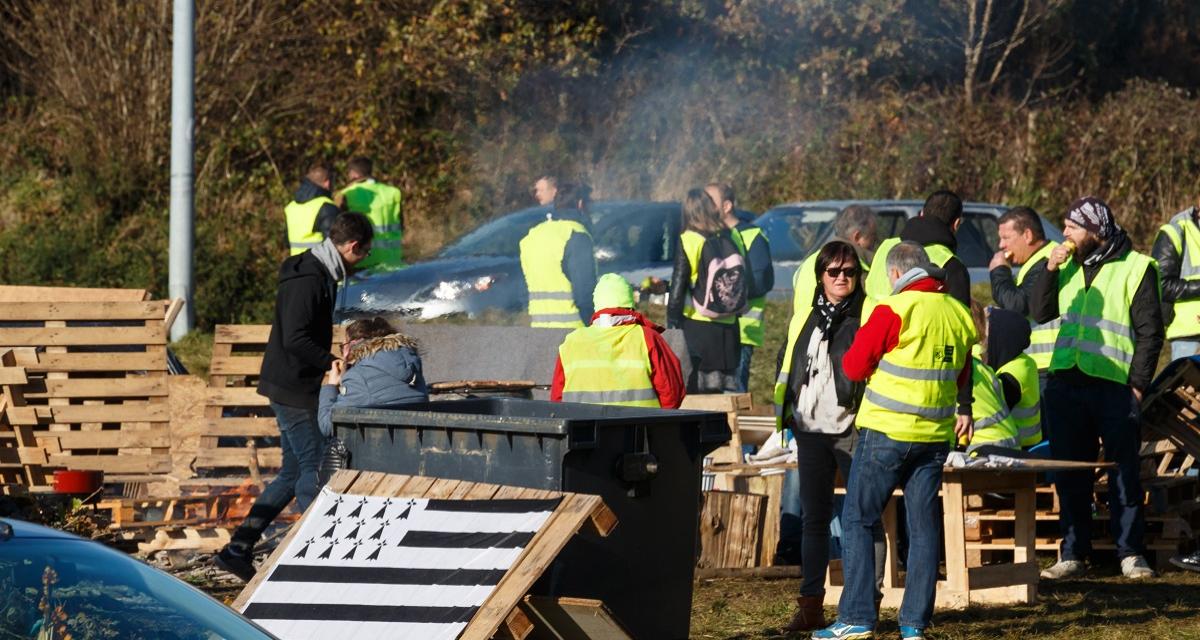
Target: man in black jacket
940, 218
295, 361
1176, 251
1105, 295
1021, 241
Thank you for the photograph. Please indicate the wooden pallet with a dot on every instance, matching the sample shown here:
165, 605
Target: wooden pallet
95, 393
21, 293
499, 616
238, 437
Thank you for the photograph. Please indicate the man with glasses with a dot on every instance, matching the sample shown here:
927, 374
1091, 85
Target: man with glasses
295, 361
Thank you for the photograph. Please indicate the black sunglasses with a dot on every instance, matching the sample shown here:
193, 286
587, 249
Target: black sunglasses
849, 272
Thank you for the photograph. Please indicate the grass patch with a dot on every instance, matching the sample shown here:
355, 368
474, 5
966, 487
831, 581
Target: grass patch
195, 352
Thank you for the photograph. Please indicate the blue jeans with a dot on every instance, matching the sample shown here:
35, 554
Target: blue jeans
741, 376
1083, 416
880, 465
1184, 348
303, 446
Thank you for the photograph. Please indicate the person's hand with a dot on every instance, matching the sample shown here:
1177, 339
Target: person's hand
964, 427
999, 260
334, 375
1137, 394
1059, 256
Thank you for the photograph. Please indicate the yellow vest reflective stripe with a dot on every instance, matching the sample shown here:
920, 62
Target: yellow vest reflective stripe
1028, 413
1186, 237
993, 423
751, 323
301, 218
551, 302
912, 395
877, 285
1096, 334
692, 243
1042, 336
382, 205
804, 290
608, 365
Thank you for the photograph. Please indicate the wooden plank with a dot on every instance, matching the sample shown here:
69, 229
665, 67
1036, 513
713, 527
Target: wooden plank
235, 397
75, 336
271, 457
13, 375
151, 412
546, 544
26, 293
247, 427
98, 311
517, 626
242, 333
67, 362
123, 463
117, 439
236, 366
1003, 575
134, 387
573, 619
957, 578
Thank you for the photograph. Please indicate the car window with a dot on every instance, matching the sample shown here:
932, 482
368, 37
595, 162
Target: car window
635, 236
91, 592
891, 223
500, 237
796, 232
978, 236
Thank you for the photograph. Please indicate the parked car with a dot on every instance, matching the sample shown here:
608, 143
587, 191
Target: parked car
56, 585
799, 228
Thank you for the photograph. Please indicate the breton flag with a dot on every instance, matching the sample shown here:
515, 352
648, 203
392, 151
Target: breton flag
372, 567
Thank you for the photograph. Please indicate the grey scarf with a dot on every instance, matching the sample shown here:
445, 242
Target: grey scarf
329, 257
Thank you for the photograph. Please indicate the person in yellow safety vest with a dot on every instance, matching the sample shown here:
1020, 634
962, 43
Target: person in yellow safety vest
934, 229
1023, 242
620, 359
762, 272
558, 262
712, 339
1106, 296
914, 354
1007, 396
311, 211
1177, 252
383, 206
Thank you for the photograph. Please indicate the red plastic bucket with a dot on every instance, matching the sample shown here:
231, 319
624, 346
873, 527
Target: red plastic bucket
78, 482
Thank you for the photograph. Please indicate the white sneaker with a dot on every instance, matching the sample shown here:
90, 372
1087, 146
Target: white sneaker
1136, 567
1064, 569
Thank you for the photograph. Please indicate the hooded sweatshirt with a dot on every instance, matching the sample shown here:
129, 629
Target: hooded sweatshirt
665, 372
926, 231
298, 349
383, 372
1007, 337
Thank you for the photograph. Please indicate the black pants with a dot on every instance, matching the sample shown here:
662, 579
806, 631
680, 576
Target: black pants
819, 458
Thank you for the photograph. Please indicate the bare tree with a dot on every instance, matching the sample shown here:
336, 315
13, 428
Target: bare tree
989, 32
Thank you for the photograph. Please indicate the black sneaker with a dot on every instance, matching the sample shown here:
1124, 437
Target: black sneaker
236, 563
1190, 562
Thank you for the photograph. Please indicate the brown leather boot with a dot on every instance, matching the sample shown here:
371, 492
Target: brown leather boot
809, 616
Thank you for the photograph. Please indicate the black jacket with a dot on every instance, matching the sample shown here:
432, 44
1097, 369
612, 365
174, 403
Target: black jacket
579, 266
1007, 294
849, 393
681, 283
1170, 261
297, 354
758, 258
1145, 313
1007, 336
927, 231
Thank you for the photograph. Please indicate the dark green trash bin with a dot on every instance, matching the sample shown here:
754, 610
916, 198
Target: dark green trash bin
645, 463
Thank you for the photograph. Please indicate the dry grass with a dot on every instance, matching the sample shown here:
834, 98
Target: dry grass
1101, 607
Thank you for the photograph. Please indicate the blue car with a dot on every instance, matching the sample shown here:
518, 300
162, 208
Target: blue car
53, 584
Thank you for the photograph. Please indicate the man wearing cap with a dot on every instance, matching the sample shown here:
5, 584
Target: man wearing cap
1106, 297
621, 359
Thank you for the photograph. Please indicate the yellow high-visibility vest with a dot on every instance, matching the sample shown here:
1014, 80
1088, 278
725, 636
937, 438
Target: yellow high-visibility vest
1096, 331
993, 422
1185, 236
751, 323
608, 365
381, 203
1028, 413
692, 244
1042, 336
551, 298
877, 284
301, 218
912, 395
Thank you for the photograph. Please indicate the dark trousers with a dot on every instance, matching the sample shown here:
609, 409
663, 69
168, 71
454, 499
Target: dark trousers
1081, 417
819, 458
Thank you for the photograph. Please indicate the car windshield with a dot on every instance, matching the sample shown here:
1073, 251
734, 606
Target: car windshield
499, 237
635, 236
795, 232
55, 588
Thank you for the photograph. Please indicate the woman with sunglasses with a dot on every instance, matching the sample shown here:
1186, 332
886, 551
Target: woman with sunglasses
818, 408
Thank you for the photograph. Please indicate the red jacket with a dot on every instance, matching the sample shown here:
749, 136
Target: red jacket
881, 333
665, 372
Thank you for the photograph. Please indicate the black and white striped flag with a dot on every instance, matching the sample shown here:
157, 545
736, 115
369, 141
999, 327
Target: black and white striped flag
370, 567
